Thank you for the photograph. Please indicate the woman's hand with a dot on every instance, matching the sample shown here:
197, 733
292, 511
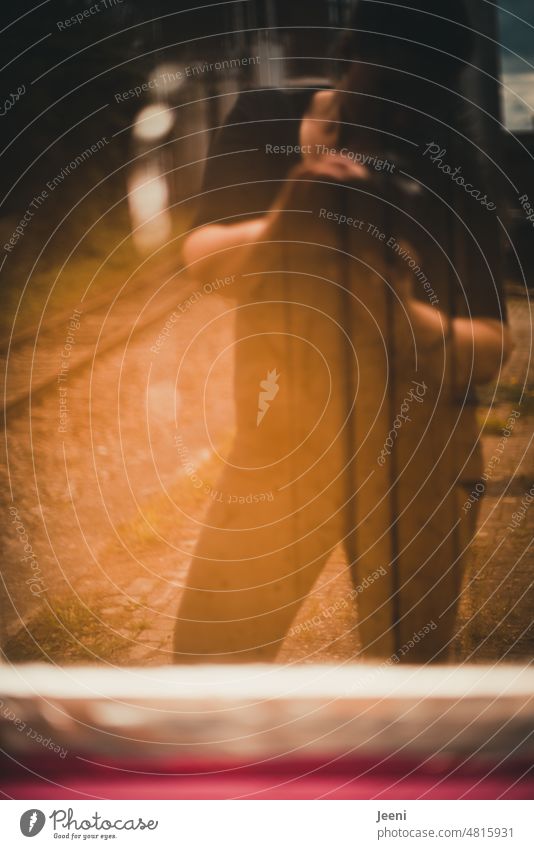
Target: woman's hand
335, 170
330, 167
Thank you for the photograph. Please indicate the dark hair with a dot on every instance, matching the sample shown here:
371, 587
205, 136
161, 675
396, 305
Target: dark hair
410, 35
400, 51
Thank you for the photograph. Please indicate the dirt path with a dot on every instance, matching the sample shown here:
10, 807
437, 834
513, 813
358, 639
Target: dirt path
111, 510
98, 487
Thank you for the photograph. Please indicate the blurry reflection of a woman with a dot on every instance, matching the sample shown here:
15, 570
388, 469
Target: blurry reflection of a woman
406, 294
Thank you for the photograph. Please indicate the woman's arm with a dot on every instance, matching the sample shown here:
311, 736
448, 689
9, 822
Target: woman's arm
216, 250
481, 345
221, 249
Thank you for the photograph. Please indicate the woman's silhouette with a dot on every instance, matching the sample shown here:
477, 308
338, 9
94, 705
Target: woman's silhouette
369, 305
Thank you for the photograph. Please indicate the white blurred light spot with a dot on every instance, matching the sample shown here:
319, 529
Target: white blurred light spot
167, 77
117, 715
152, 123
148, 199
518, 96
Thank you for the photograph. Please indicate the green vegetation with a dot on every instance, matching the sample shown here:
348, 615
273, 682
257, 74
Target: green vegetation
520, 396
76, 631
491, 423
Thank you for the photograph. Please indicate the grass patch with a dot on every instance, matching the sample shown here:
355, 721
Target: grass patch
83, 268
514, 393
71, 631
491, 424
